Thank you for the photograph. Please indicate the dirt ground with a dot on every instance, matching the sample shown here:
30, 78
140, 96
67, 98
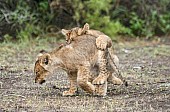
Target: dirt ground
145, 65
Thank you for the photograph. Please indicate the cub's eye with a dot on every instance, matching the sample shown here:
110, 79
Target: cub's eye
36, 72
67, 34
46, 61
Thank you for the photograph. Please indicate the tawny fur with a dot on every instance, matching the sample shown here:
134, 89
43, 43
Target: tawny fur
80, 60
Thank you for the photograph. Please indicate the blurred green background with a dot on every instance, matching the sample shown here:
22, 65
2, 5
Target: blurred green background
23, 20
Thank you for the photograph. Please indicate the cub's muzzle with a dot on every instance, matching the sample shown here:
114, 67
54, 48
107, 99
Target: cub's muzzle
39, 81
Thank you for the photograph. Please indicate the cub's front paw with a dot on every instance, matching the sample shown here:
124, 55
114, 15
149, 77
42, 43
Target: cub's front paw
69, 93
100, 80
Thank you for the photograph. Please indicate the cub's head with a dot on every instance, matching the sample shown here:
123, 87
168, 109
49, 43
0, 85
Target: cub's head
74, 32
70, 34
42, 67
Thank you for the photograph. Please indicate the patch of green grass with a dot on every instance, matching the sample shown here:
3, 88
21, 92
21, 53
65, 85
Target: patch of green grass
31, 44
12, 52
161, 50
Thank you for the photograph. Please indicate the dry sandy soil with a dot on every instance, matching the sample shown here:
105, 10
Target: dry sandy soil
145, 65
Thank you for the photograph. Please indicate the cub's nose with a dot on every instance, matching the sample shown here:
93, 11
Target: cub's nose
43, 81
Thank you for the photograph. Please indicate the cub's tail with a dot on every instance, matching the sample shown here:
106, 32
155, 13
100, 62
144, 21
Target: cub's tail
114, 62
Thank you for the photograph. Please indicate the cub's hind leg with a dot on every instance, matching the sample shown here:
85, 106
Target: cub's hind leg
73, 84
101, 90
103, 72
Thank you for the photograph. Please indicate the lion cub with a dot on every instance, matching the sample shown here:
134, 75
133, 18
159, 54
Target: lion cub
102, 42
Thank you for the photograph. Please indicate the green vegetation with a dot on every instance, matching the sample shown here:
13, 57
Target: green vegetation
24, 20
97, 14
142, 18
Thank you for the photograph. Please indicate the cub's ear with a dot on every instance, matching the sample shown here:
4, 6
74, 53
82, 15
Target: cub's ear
38, 56
41, 53
83, 30
86, 27
65, 32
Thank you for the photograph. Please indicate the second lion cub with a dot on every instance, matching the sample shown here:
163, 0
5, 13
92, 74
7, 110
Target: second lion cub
102, 40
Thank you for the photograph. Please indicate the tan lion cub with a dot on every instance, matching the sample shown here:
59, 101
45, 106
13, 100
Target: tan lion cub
102, 42
80, 61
